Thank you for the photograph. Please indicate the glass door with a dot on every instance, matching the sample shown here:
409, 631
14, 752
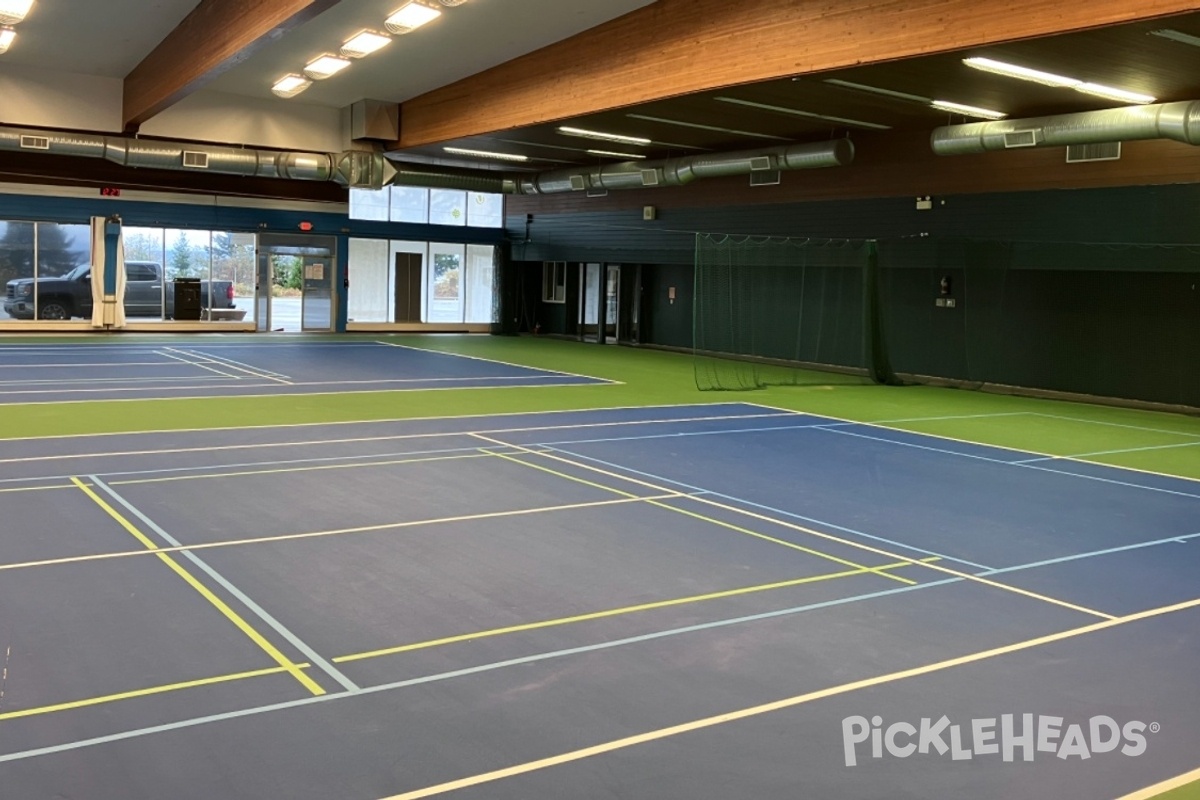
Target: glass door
263, 279
612, 302
295, 289
316, 299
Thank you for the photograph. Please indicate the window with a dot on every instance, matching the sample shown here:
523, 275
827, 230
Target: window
485, 210
554, 282
140, 272
410, 204
369, 204
447, 207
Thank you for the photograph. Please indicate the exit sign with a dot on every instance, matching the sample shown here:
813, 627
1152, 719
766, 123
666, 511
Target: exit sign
110, 191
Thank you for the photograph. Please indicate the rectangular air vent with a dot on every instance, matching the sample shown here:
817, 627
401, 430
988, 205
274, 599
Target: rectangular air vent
35, 143
649, 177
195, 160
1025, 138
598, 192
578, 183
765, 178
1101, 151
759, 163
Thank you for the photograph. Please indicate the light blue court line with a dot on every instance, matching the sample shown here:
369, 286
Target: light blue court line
882, 422
312, 655
441, 676
701, 491
1092, 554
1023, 465
677, 434
1080, 456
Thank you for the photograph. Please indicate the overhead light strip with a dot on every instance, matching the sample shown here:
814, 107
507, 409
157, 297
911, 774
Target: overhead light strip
410, 16
364, 43
7, 36
615, 154
602, 136
13, 11
968, 111
463, 151
698, 126
1058, 81
1178, 36
290, 85
807, 114
325, 66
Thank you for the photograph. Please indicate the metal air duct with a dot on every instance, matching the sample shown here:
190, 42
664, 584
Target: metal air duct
681, 171
353, 168
1177, 121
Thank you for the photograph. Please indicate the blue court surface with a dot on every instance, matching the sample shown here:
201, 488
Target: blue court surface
708, 601
61, 372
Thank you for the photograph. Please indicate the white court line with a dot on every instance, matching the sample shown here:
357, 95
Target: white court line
253, 371
235, 394
87, 365
944, 437
392, 420
1115, 424
169, 353
54, 384
361, 439
490, 360
1082, 456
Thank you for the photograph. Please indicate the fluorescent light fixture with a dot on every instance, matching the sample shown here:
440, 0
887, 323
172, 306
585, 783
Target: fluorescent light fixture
862, 87
13, 11
602, 136
452, 3
462, 151
411, 16
1178, 36
615, 154
364, 43
1120, 95
1023, 73
968, 111
697, 125
6, 39
325, 66
808, 114
1061, 81
290, 85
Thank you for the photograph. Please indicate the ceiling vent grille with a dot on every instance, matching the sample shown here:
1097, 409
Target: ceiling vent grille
35, 142
760, 163
1025, 138
1100, 151
194, 159
650, 177
578, 183
765, 178
600, 192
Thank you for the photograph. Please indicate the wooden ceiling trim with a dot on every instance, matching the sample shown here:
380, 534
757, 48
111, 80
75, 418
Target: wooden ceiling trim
217, 35
677, 47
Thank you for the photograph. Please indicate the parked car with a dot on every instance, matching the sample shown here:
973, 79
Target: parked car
71, 295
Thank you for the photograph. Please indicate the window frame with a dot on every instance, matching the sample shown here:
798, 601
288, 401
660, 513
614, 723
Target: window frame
554, 282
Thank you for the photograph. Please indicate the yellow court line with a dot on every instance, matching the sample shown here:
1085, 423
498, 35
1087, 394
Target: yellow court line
612, 612
778, 705
170, 687
283, 470
245, 627
659, 504
1163, 786
290, 537
829, 537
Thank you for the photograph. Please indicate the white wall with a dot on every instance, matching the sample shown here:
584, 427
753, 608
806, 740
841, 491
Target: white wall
45, 98
230, 118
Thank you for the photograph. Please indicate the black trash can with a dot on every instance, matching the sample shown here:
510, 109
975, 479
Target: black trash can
187, 298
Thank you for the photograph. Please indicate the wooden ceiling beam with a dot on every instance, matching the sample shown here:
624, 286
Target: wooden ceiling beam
216, 35
678, 47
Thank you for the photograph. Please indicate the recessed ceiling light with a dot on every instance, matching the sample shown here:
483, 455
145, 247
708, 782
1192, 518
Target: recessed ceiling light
968, 111
13, 11
602, 136
1178, 36
615, 154
1120, 95
7, 35
808, 114
862, 87
463, 151
1023, 73
364, 43
452, 3
325, 67
411, 16
290, 85
683, 124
